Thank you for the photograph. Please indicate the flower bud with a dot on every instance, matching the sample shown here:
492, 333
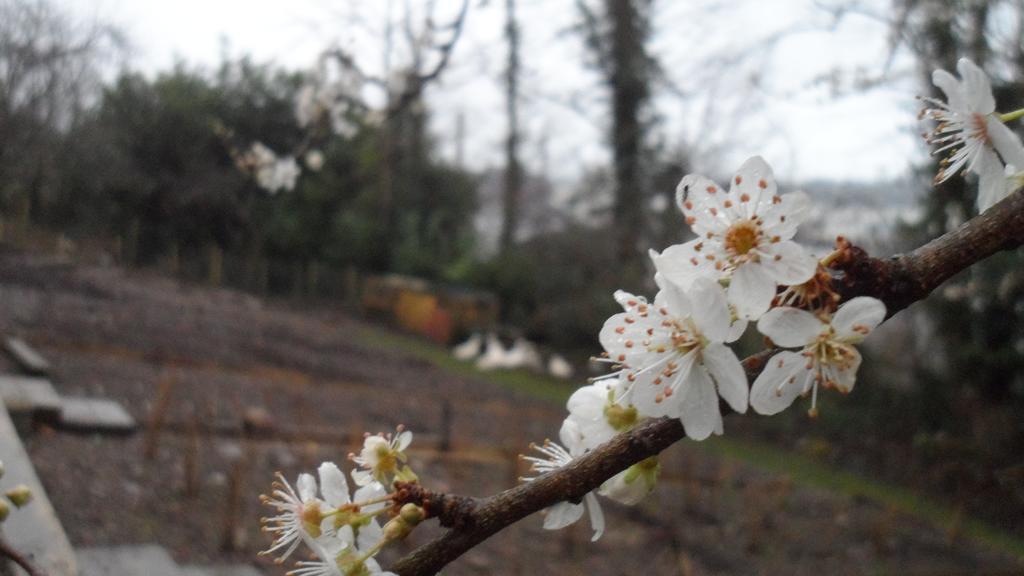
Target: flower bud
5, 510
396, 529
412, 514
20, 495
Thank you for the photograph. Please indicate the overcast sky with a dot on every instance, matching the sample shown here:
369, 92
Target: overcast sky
768, 100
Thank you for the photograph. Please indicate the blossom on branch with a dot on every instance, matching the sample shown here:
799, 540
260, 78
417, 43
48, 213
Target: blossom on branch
971, 132
673, 355
828, 357
383, 459
744, 237
554, 456
299, 515
601, 411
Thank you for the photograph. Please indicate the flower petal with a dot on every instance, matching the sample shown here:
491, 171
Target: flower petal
596, 515
588, 402
562, 514
845, 376
785, 217
781, 381
673, 296
951, 87
306, 486
993, 185
646, 393
701, 199
333, 485
700, 415
709, 310
728, 374
1005, 141
736, 330
753, 187
788, 263
858, 317
790, 327
751, 291
571, 437
681, 264
976, 87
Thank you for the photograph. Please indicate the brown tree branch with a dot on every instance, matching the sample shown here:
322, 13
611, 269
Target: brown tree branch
898, 281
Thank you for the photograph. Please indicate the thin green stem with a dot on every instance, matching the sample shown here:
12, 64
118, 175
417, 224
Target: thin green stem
1011, 116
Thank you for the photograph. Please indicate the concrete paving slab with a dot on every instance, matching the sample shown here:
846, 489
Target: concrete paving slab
30, 361
95, 415
33, 530
128, 560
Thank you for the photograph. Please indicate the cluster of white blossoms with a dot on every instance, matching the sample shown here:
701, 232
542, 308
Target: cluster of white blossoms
671, 357
329, 96
341, 529
324, 106
974, 135
272, 173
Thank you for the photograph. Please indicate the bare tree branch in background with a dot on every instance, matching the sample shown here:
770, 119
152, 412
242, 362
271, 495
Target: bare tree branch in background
513, 167
50, 71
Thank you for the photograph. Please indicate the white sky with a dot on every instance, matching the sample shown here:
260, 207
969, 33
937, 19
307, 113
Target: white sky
803, 131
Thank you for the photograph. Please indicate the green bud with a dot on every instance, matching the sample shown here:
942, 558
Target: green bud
5, 510
412, 514
20, 495
406, 475
397, 529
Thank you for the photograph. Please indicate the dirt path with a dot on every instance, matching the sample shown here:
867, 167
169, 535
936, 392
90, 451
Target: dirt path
307, 387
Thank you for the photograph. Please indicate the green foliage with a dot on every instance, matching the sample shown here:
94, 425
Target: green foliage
152, 164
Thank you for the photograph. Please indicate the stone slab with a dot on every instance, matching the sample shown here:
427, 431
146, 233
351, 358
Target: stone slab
27, 394
33, 530
129, 560
95, 415
30, 361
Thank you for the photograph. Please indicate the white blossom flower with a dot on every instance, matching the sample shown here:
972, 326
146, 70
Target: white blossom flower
674, 356
634, 483
828, 356
382, 459
341, 562
350, 538
601, 411
349, 519
299, 515
743, 236
972, 133
271, 172
553, 457
278, 175
314, 160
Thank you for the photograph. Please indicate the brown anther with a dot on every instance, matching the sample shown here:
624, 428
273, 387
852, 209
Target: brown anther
744, 197
762, 184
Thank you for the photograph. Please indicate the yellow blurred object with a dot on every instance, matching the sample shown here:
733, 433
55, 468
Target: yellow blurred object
428, 309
